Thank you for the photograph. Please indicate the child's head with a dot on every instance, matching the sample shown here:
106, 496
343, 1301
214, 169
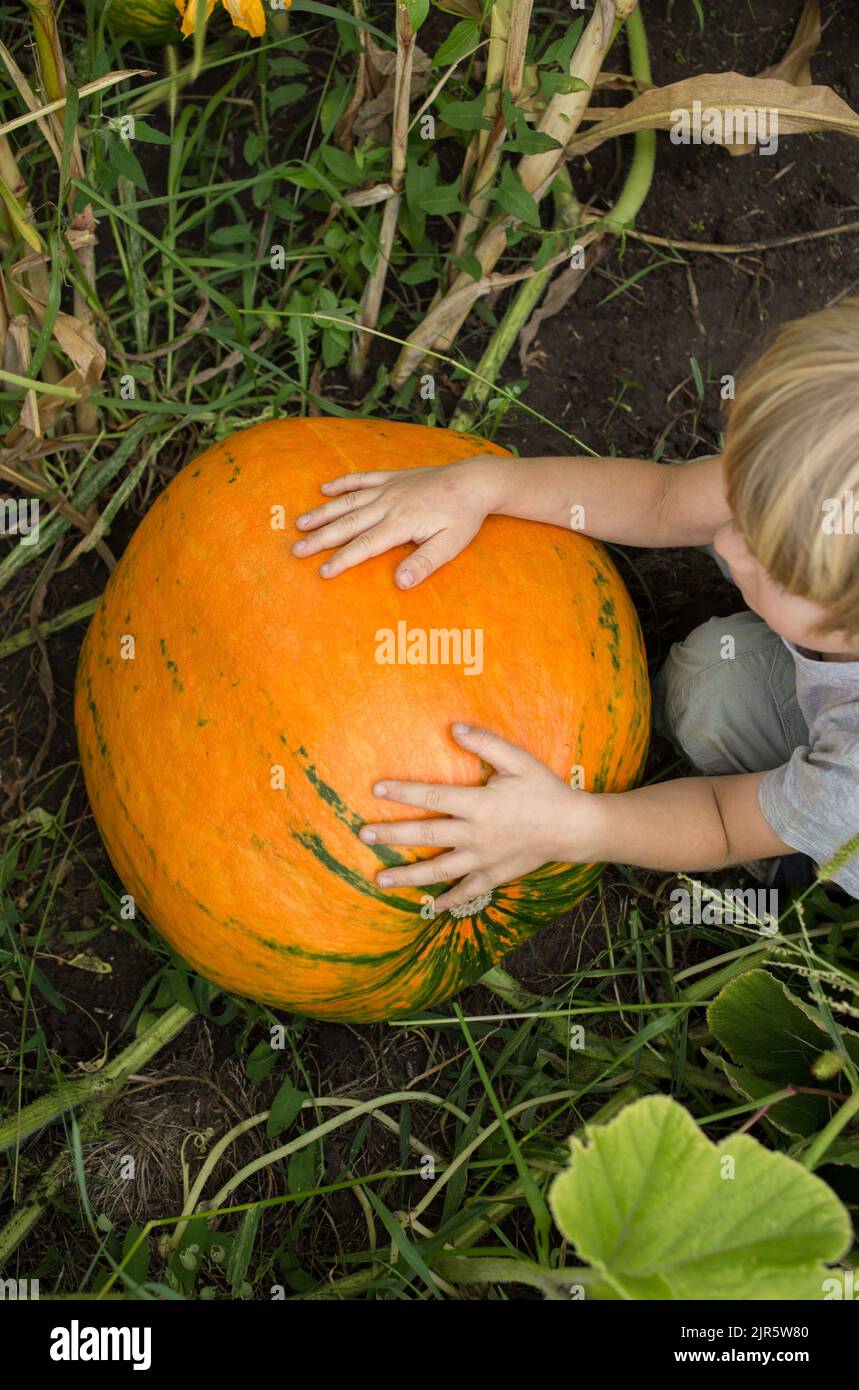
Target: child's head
791, 461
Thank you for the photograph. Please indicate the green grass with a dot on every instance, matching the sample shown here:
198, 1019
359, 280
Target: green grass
345, 1163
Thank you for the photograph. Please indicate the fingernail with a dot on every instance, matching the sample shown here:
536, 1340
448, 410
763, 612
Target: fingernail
384, 880
460, 728
324, 569
368, 836
298, 547
380, 789
302, 521
407, 579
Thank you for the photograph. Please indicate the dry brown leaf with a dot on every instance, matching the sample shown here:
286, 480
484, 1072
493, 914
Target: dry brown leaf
371, 117
50, 407
16, 358
76, 339
38, 113
81, 346
84, 960
795, 65
798, 109
33, 259
621, 82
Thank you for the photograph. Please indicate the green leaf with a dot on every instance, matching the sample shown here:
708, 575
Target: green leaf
514, 199
462, 38
468, 264
844, 1150
122, 159
301, 1169
442, 198
417, 11
260, 1061
549, 247
285, 95
658, 1211
420, 179
230, 235
531, 142
342, 166
419, 273
411, 1254
561, 51
773, 1041
303, 178
283, 65
180, 988
465, 115
284, 1108
46, 989
138, 1266
242, 1250
254, 147
149, 135
552, 82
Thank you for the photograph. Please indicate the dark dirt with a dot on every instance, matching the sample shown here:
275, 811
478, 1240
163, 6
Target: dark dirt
646, 336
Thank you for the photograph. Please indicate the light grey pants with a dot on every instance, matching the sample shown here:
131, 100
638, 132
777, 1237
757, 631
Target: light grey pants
734, 712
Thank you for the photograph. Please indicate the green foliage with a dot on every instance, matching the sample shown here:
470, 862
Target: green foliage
774, 1039
233, 226
661, 1212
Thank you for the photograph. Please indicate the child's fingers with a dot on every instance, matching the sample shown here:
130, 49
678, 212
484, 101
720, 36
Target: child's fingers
356, 480
340, 530
330, 511
374, 541
451, 801
475, 885
434, 553
441, 833
441, 869
492, 748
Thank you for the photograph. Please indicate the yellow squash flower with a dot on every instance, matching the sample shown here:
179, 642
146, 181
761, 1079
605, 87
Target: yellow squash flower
246, 14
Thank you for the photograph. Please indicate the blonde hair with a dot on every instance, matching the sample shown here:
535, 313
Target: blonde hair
791, 461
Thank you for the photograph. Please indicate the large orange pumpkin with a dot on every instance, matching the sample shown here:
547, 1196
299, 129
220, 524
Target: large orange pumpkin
233, 717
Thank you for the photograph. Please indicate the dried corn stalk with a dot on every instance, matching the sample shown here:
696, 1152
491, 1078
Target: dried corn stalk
535, 172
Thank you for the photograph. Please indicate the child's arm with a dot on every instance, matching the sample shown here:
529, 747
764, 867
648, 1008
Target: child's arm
696, 823
525, 816
630, 501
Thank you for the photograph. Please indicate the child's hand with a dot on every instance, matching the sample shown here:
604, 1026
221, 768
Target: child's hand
440, 509
522, 818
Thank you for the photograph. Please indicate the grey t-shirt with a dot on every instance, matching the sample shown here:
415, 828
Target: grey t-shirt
812, 802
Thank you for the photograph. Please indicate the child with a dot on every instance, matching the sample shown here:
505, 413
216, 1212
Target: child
764, 704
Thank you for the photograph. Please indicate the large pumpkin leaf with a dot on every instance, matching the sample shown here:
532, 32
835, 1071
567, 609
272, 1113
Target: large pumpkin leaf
799, 1117
649, 1201
774, 1040
798, 109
